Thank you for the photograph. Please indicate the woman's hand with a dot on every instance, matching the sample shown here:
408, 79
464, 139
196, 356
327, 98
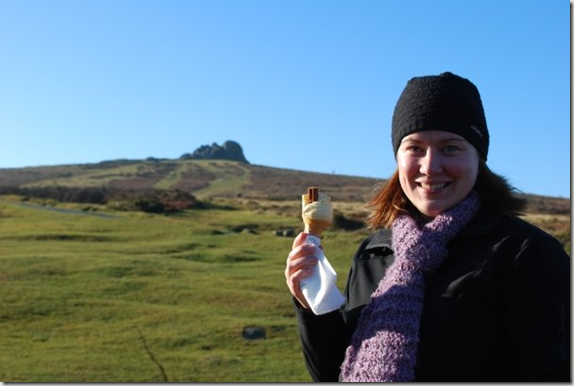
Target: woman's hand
300, 264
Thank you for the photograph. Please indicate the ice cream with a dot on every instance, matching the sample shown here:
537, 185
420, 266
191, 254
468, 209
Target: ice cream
317, 211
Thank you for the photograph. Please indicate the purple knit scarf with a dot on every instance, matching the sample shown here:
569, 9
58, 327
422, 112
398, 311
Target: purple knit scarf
384, 345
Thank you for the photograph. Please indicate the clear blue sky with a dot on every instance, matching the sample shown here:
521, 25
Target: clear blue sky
300, 84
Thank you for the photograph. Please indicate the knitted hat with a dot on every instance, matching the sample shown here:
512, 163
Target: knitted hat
445, 102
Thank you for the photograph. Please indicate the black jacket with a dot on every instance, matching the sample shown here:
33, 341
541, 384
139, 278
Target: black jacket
497, 309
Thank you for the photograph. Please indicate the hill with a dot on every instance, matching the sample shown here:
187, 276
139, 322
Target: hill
212, 179
205, 179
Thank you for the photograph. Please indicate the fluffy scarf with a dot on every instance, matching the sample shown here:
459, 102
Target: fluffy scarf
384, 345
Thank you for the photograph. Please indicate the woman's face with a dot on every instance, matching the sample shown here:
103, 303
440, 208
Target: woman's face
437, 169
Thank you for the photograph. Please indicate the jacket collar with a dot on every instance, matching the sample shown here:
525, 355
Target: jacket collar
381, 239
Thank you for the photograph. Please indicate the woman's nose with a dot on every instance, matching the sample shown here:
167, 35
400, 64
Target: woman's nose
431, 163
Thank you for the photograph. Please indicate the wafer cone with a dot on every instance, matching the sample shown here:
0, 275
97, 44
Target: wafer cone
316, 227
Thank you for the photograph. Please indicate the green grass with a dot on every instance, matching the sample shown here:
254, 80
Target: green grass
76, 288
231, 178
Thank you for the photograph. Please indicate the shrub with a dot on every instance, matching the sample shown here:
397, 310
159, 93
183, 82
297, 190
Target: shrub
344, 223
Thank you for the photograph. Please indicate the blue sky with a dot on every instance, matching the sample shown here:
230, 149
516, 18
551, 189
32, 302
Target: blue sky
300, 84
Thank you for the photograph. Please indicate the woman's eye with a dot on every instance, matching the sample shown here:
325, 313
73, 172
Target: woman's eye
451, 149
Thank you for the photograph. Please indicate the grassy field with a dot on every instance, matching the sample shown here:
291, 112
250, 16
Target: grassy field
92, 295
95, 296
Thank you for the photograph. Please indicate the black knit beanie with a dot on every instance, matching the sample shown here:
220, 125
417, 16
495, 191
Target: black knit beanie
445, 102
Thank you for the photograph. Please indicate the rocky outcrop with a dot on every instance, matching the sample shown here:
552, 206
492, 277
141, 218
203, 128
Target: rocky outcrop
230, 150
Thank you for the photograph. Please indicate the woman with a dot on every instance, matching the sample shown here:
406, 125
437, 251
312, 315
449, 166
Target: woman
452, 286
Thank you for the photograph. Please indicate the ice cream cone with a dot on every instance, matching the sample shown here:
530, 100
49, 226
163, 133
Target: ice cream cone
317, 212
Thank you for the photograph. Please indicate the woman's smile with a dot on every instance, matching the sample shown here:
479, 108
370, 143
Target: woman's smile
433, 187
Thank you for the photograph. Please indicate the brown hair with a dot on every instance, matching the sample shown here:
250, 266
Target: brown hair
389, 200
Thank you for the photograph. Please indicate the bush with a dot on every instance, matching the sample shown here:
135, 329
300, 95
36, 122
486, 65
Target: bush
344, 223
154, 201
87, 195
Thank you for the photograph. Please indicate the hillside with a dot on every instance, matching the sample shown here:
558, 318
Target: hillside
211, 179
204, 179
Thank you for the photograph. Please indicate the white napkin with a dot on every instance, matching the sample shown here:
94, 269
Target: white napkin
320, 289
